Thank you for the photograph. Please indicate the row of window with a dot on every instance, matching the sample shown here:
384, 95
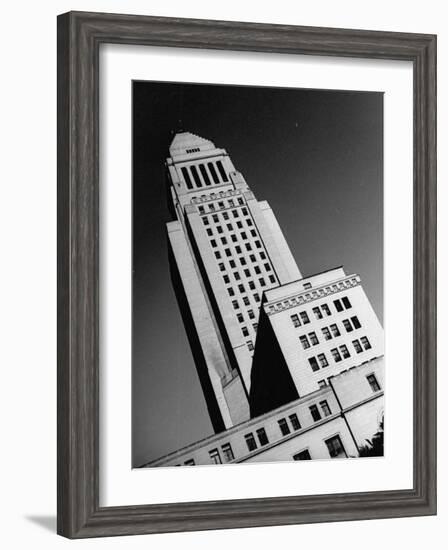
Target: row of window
228, 225
212, 207
216, 218
286, 425
302, 317
204, 174
334, 446
246, 272
233, 239
339, 353
332, 331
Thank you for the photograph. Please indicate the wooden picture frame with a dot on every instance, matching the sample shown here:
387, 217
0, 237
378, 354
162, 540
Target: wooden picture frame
79, 38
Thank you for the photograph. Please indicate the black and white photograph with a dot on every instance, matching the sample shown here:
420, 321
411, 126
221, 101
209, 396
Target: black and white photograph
257, 274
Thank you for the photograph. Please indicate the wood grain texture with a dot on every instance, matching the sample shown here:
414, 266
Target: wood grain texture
79, 39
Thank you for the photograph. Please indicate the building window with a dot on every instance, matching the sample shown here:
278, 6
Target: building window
258, 244
255, 325
313, 362
240, 201
248, 247
228, 253
231, 291
326, 309
295, 320
245, 331
211, 167
262, 436
335, 447
225, 215
256, 297
244, 211
222, 171
204, 174
218, 255
306, 286
189, 462
247, 272
240, 318
239, 224
326, 333
221, 205
303, 455
338, 305
317, 312
226, 279
205, 220
251, 314
313, 338
212, 209
243, 260
304, 317
365, 342
334, 329
322, 383
235, 304
257, 270
325, 408
283, 425
243, 235
356, 322
227, 452
236, 275
304, 342
251, 285
215, 457
272, 278
315, 413
241, 288
336, 355
371, 379
346, 302
322, 360
223, 240
250, 345
344, 351
231, 203
253, 258
246, 301
215, 216
294, 422
262, 282
213, 243
238, 249
232, 263
235, 214
234, 239
347, 325
253, 232
357, 346
187, 178
222, 267
250, 442
229, 225
249, 222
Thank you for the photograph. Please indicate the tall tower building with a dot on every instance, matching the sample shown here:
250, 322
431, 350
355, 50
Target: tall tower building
226, 251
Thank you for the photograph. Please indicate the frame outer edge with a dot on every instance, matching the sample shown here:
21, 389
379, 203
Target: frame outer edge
79, 515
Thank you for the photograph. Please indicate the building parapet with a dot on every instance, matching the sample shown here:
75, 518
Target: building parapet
309, 295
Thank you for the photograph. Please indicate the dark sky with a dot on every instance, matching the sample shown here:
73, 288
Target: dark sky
317, 158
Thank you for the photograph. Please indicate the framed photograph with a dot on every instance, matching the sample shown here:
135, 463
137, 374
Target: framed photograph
246, 274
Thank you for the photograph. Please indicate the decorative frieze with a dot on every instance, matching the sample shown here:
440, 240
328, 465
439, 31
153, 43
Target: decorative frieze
310, 295
216, 196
